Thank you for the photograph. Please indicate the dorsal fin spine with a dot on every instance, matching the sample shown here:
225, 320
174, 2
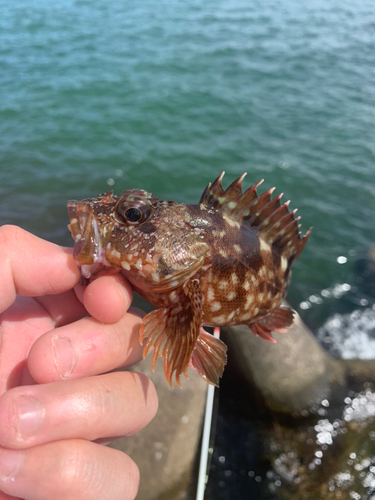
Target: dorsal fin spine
217, 185
205, 195
257, 205
244, 201
236, 185
274, 218
290, 240
280, 223
274, 223
289, 228
265, 213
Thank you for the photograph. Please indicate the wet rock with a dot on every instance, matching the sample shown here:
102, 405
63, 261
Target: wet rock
316, 441
290, 375
296, 372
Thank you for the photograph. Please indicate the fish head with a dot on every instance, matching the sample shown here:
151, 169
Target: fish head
104, 227
151, 242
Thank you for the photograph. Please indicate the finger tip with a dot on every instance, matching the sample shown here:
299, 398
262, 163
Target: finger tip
108, 298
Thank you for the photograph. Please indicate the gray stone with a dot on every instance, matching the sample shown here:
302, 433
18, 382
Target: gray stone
290, 375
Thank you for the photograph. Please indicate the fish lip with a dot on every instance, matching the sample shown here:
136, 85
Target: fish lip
88, 241
81, 219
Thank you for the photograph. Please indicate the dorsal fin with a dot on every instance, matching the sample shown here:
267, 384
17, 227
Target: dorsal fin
273, 221
214, 196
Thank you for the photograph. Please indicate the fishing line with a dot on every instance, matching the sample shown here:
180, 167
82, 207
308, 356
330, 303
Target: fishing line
203, 475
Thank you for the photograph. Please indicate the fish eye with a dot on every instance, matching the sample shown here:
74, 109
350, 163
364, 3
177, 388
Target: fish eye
133, 212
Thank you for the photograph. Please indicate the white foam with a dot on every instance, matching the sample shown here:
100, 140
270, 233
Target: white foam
361, 408
350, 336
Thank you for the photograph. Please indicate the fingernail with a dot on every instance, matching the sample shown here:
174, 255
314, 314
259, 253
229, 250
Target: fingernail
65, 356
29, 413
10, 463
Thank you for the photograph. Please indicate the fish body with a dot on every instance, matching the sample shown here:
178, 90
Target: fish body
224, 261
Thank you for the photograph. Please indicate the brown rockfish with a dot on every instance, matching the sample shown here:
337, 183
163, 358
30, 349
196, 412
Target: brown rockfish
224, 261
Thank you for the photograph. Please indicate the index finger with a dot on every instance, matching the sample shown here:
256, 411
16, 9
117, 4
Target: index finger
32, 266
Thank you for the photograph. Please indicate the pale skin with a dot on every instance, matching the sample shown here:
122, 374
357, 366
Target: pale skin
54, 364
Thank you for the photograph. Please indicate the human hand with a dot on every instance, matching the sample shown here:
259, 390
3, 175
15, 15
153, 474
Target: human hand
50, 433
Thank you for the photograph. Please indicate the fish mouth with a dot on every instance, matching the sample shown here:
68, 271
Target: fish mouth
88, 241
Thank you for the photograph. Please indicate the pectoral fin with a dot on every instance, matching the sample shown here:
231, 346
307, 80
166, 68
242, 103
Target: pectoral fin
173, 331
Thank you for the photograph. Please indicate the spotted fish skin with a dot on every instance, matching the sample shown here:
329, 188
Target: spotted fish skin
225, 261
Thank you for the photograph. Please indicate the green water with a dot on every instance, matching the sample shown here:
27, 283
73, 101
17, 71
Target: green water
165, 95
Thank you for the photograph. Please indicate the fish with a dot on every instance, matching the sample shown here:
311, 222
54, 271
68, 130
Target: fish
224, 261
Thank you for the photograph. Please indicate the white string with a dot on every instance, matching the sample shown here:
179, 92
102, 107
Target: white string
202, 475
